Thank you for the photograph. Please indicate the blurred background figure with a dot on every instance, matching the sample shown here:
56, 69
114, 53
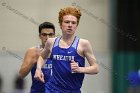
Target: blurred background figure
134, 81
126, 45
19, 85
1, 84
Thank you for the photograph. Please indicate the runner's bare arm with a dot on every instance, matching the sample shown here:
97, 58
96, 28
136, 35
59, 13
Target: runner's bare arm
41, 60
88, 53
28, 62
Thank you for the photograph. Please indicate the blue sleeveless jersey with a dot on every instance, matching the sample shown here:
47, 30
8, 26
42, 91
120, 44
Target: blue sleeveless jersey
38, 86
63, 80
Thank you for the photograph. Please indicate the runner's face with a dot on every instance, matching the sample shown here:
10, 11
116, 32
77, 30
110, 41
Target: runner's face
45, 34
69, 24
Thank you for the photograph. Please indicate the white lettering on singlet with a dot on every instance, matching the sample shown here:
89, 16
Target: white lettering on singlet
62, 57
47, 66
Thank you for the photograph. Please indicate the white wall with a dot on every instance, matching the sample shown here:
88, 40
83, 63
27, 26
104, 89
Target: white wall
19, 21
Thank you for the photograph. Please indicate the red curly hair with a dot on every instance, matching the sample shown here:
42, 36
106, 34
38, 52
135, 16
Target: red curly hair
69, 11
